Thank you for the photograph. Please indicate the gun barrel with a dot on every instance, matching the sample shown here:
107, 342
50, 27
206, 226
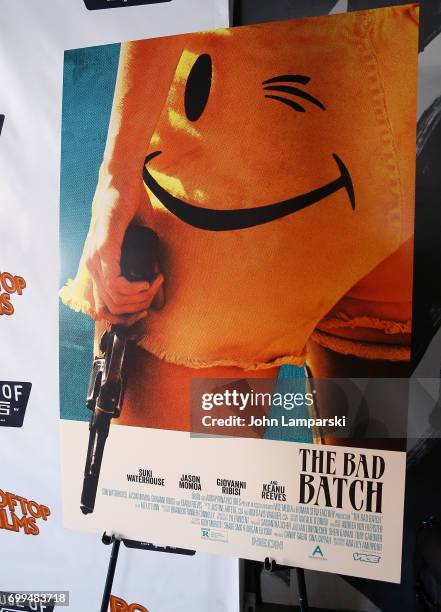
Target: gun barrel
99, 430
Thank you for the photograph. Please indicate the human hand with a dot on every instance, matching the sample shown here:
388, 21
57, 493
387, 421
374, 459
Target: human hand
116, 299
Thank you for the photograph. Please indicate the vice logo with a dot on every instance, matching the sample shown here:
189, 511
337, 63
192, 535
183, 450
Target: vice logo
94, 5
14, 397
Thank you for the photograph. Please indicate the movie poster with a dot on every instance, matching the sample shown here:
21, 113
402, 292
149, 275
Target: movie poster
237, 219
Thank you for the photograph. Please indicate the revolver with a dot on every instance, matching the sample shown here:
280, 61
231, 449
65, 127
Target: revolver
139, 262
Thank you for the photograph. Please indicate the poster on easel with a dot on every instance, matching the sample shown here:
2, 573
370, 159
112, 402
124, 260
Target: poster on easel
236, 229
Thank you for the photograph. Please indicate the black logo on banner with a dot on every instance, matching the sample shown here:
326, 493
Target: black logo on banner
14, 398
35, 608
19, 602
94, 5
39, 608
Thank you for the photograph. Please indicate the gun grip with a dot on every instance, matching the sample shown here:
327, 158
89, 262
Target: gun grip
140, 254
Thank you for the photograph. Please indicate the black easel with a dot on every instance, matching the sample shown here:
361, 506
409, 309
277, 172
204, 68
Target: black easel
269, 565
116, 543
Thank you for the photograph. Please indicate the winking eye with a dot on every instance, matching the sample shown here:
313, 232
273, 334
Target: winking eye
278, 84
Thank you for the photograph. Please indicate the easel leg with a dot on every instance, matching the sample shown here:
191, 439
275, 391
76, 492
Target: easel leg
301, 585
111, 570
270, 565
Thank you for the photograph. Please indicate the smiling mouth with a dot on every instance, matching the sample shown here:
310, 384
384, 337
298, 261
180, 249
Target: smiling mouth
240, 218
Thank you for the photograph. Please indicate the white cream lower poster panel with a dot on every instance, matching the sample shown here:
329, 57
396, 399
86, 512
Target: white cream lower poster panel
38, 553
325, 508
215, 272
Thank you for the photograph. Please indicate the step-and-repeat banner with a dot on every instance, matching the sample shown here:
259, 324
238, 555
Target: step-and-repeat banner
38, 552
252, 211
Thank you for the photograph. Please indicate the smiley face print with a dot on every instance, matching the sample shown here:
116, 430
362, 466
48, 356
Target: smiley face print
286, 89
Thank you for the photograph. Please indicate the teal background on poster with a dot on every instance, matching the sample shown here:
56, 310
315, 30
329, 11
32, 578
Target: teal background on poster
88, 86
